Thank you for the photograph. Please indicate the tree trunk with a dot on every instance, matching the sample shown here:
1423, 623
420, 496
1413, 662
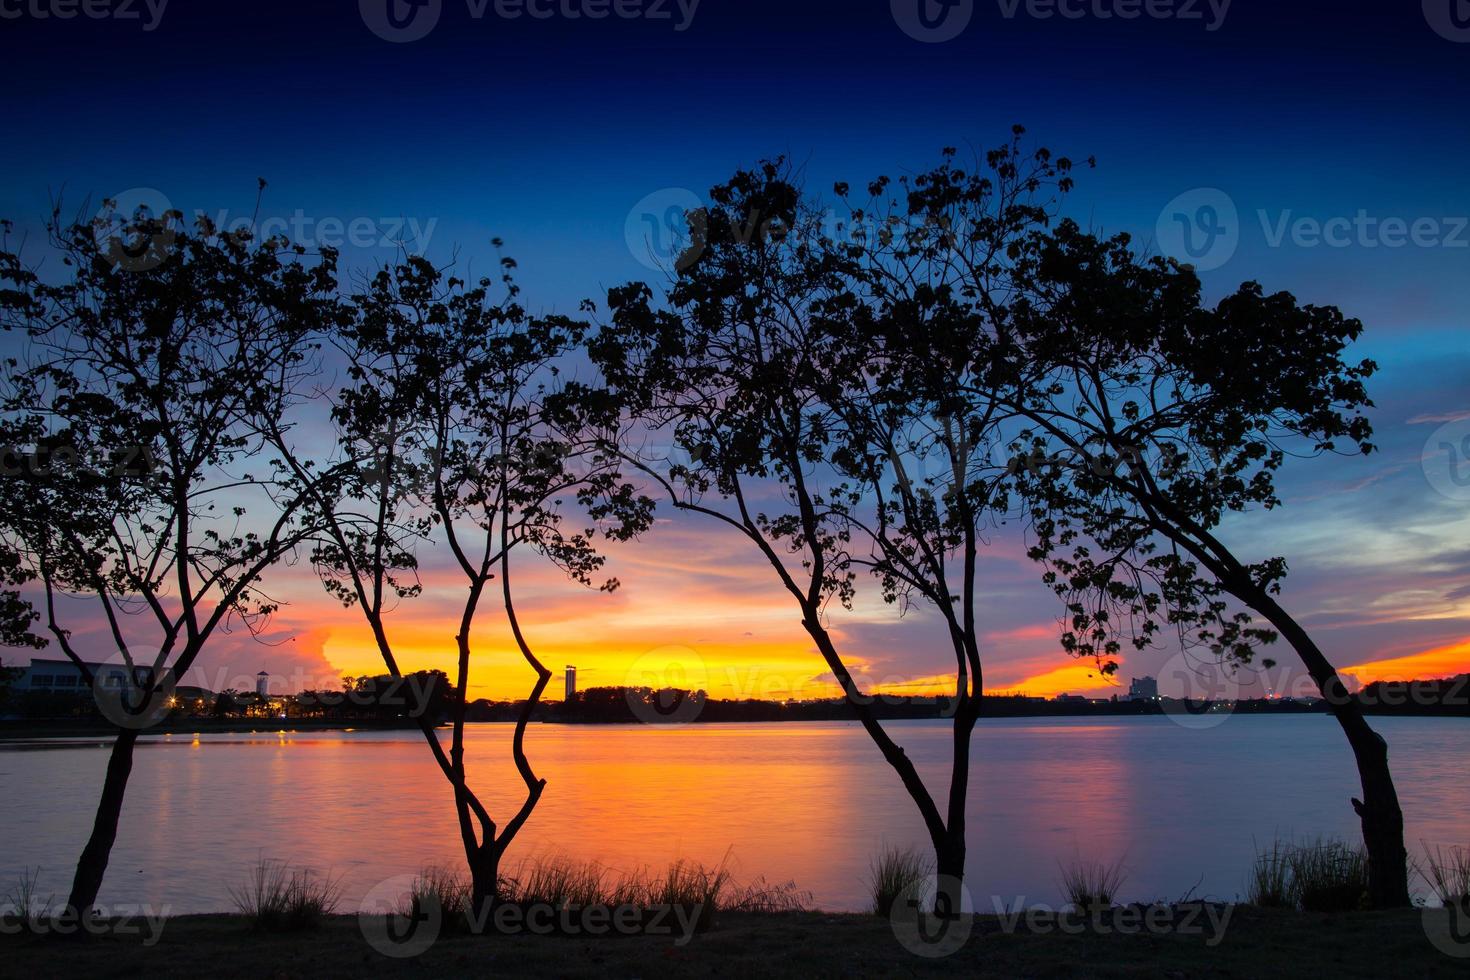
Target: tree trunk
949, 867
484, 885
949, 850
92, 865
1380, 814
1378, 811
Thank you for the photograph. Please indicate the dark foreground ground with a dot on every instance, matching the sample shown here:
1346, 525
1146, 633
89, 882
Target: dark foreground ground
1256, 943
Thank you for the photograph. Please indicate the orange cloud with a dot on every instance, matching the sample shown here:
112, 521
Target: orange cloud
1445, 661
1077, 678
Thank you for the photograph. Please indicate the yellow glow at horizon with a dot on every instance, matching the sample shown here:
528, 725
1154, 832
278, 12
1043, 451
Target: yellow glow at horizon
1445, 661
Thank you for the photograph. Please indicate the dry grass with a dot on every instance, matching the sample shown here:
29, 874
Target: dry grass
557, 882
278, 898
893, 872
1270, 885
444, 889
563, 883
1324, 875
761, 896
1448, 875
22, 905
1091, 884
1329, 876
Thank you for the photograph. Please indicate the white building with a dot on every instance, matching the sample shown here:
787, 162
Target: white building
262, 684
63, 677
571, 682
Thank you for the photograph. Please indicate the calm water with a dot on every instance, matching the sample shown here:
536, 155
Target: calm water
1182, 809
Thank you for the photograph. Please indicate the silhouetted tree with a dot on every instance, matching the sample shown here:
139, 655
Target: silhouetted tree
458, 426
1139, 418
770, 375
133, 418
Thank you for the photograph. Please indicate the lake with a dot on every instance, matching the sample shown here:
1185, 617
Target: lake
1182, 809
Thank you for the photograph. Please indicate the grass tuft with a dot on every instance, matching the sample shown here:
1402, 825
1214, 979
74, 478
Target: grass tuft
1448, 875
1325, 875
445, 889
762, 896
1329, 876
1091, 884
21, 905
894, 871
1270, 884
276, 898
559, 883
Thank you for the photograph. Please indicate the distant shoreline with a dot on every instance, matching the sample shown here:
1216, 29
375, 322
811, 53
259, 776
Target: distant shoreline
14, 731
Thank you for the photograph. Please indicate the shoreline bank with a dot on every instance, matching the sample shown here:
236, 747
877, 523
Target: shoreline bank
1257, 943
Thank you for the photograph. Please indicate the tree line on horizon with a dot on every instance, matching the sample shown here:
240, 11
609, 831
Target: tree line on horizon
862, 409
399, 701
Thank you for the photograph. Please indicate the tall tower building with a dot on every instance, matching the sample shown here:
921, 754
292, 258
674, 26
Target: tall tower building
262, 683
571, 682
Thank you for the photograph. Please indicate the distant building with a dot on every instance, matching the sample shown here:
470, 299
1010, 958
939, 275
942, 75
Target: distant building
571, 682
1071, 698
262, 684
1143, 689
63, 677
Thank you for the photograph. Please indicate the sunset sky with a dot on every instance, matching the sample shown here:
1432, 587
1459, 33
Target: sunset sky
1379, 548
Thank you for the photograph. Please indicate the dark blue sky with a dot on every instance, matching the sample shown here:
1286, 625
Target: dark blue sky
548, 131
1296, 114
